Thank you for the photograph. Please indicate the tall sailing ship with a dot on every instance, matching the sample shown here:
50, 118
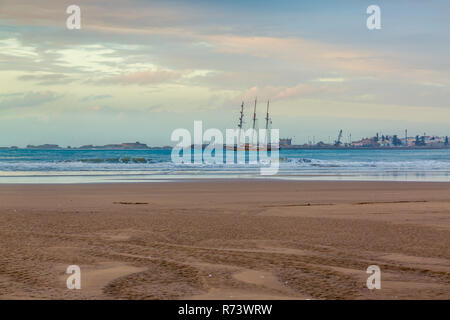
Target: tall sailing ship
253, 145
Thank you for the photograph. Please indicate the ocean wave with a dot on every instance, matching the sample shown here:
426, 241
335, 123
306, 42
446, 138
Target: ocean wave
115, 160
394, 164
149, 164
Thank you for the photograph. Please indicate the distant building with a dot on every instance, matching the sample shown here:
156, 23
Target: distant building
285, 141
410, 142
367, 142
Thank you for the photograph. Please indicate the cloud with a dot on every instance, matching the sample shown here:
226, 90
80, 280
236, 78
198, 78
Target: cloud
143, 77
330, 80
47, 79
161, 31
300, 52
275, 93
27, 99
128, 47
95, 97
13, 47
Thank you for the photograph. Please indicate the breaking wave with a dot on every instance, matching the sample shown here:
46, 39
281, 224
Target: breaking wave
148, 164
298, 163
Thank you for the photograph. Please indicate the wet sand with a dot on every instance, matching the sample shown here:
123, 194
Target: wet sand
226, 240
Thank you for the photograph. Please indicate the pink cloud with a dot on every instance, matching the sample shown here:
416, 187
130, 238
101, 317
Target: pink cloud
275, 93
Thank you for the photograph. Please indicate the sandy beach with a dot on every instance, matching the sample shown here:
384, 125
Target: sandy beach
226, 240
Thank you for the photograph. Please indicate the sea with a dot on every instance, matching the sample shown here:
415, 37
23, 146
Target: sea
103, 166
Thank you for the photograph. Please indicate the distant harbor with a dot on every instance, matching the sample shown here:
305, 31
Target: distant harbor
375, 142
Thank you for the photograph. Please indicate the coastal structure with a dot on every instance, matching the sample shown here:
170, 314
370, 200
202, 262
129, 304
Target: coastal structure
285, 142
377, 141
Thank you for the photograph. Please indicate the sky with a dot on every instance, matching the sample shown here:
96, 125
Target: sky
137, 70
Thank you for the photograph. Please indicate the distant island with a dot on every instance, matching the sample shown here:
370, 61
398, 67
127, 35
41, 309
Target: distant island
122, 146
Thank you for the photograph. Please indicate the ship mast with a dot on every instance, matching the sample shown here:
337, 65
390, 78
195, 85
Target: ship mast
267, 123
254, 115
241, 117
254, 121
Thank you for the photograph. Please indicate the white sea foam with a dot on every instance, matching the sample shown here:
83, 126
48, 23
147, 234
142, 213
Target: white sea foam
403, 165
287, 163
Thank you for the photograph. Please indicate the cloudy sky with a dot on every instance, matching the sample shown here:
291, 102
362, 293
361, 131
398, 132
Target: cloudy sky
139, 69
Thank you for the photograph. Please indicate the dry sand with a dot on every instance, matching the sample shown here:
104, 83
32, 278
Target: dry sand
225, 240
